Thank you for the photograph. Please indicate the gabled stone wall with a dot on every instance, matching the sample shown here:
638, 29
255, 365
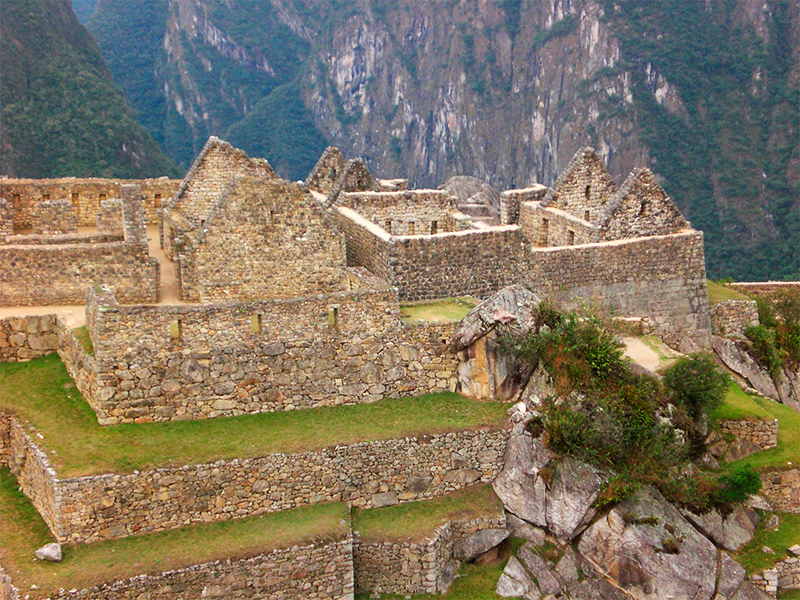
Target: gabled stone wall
263, 239
585, 185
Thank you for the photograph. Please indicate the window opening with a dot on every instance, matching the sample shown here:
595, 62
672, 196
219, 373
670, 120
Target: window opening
434, 227
570, 237
176, 330
257, 323
333, 317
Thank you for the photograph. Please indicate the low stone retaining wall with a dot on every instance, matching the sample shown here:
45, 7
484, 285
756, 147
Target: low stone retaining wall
313, 572
763, 434
381, 473
731, 318
406, 567
782, 489
785, 575
25, 338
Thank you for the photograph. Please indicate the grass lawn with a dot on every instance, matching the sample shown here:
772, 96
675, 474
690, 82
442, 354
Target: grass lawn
448, 309
42, 392
788, 594
787, 454
417, 520
720, 293
85, 565
753, 559
739, 405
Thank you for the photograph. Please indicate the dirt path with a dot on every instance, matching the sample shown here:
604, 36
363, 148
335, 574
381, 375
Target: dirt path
652, 356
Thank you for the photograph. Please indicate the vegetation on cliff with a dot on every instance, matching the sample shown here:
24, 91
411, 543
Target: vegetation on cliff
61, 112
644, 429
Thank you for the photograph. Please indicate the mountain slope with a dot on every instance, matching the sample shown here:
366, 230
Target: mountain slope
61, 113
705, 92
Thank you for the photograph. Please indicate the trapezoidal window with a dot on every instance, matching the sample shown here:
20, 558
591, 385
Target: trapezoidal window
102, 197
157, 201
570, 237
588, 191
76, 205
387, 225
45, 197
434, 227
587, 216
411, 228
176, 331
257, 323
333, 317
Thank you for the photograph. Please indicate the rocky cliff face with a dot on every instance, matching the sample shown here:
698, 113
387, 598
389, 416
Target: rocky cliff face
704, 92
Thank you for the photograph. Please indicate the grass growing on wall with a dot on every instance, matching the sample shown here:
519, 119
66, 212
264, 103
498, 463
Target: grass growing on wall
82, 335
42, 392
85, 565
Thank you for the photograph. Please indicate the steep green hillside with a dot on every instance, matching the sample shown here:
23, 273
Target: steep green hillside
83, 9
61, 113
731, 157
705, 92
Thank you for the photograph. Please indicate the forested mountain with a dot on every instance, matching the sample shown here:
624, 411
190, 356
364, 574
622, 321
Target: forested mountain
61, 113
705, 92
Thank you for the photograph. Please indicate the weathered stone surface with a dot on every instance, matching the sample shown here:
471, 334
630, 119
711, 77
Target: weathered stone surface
748, 591
520, 528
469, 548
730, 532
597, 589
519, 486
49, 552
540, 569
575, 487
515, 582
514, 300
651, 551
737, 359
731, 576
567, 568
740, 448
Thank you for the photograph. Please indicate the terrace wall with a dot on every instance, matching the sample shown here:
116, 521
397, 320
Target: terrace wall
763, 434
782, 489
300, 358
381, 473
414, 567
731, 318
313, 572
765, 288
85, 195
25, 338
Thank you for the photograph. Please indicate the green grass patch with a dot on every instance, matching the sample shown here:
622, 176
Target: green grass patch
86, 565
722, 293
448, 309
739, 405
788, 594
473, 582
787, 453
82, 335
754, 559
417, 520
42, 392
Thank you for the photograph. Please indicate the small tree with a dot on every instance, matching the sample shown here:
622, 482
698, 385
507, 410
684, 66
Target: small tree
696, 383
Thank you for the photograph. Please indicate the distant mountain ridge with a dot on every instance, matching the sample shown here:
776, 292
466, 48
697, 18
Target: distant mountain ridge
61, 112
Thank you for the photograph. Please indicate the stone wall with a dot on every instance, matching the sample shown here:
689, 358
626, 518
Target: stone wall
365, 475
24, 338
553, 227
368, 245
510, 201
54, 217
7, 589
151, 362
37, 480
6, 220
660, 277
782, 489
731, 318
312, 572
109, 217
263, 239
765, 288
85, 196
763, 434
414, 567
784, 575
416, 212
63, 271
327, 171
585, 185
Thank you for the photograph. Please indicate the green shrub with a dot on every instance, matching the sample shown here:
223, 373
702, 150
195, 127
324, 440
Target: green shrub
764, 345
737, 485
696, 383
